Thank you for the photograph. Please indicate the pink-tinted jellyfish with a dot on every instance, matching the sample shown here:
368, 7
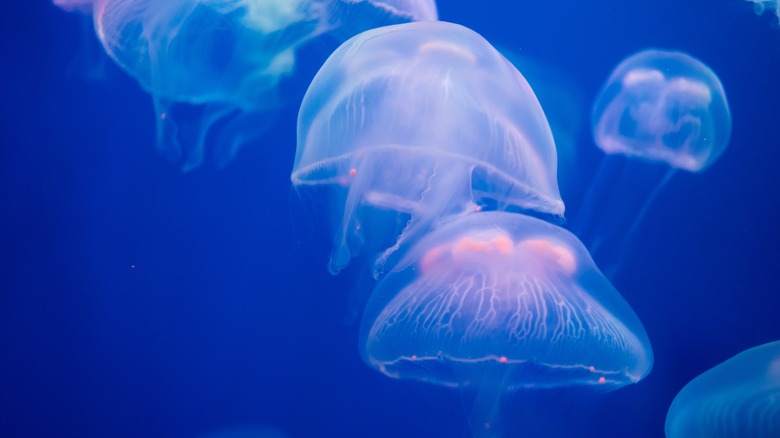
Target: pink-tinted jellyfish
494, 302
421, 121
660, 111
738, 398
222, 61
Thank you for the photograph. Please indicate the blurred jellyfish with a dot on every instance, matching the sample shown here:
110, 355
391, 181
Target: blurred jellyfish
223, 61
738, 398
563, 103
84, 6
497, 301
760, 6
420, 121
659, 111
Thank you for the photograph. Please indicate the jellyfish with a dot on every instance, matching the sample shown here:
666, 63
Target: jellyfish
738, 398
84, 6
408, 124
659, 112
217, 62
498, 301
761, 6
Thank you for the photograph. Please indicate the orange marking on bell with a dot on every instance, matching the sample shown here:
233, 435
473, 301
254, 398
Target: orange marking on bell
502, 359
559, 254
602, 380
503, 243
431, 258
352, 172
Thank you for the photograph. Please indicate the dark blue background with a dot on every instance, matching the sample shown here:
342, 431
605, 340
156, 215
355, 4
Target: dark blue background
139, 301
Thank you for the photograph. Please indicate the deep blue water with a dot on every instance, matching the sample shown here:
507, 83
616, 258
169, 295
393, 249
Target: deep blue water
137, 300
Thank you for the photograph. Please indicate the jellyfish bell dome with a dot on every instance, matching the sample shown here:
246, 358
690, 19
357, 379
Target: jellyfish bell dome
497, 289
664, 106
738, 398
660, 111
228, 55
426, 119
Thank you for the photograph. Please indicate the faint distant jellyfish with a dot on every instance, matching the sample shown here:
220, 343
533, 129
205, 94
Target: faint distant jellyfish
660, 111
421, 121
222, 61
760, 6
494, 302
738, 398
74, 5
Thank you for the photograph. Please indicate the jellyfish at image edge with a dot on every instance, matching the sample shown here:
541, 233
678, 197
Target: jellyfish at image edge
408, 124
74, 5
659, 112
761, 6
217, 62
738, 398
494, 302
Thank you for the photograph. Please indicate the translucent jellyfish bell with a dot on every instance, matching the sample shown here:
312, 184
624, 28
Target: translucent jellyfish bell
660, 111
738, 398
498, 301
422, 120
226, 57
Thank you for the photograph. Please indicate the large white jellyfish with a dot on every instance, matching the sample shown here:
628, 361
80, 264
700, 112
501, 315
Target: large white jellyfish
738, 398
660, 111
222, 61
497, 301
422, 120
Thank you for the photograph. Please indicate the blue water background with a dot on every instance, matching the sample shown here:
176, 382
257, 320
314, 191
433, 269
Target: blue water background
136, 300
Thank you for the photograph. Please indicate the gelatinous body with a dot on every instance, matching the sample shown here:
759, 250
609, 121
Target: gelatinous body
424, 119
497, 301
658, 112
503, 288
738, 398
663, 106
227, 57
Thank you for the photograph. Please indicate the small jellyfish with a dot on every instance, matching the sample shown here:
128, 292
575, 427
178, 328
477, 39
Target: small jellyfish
760, 6
738, 398
660, 111
420, 120
496, 301
208, 62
